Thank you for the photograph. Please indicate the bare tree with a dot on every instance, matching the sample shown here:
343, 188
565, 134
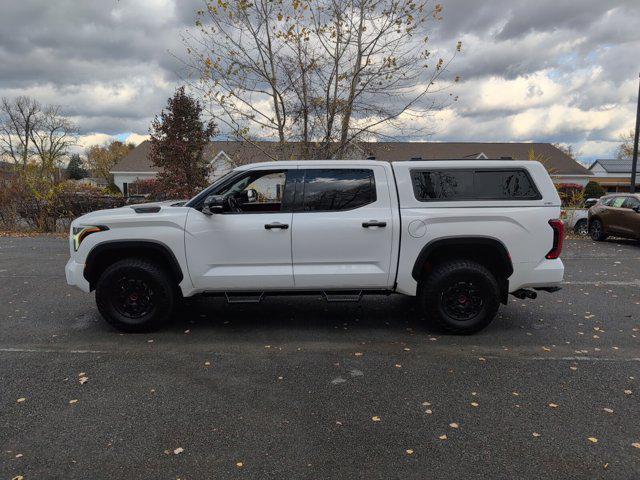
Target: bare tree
30, 133
625, 149
326, 73
52, 138
19, 118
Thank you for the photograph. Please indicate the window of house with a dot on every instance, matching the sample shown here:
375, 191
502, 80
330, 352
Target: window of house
459, 184
338, 189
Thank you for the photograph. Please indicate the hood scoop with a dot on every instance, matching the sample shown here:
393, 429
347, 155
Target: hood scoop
147, 209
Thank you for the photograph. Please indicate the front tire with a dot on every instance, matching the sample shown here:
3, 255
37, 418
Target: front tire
596, 231
460, 296
135, 295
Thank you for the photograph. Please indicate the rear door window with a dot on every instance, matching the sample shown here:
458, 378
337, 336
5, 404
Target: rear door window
617, 202
335, 189
631, 202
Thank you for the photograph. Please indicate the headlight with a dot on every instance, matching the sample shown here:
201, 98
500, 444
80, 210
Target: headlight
80, 233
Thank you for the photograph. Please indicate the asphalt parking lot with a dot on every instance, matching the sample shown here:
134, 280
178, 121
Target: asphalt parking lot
298, 388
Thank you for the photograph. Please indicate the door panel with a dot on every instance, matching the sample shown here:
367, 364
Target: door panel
332, 249
249, 246
237, 252
630, 218
614, 219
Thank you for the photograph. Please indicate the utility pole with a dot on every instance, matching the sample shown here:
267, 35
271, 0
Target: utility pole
634, 163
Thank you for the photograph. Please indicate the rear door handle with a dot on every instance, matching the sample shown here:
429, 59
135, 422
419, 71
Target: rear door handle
374, 223
282, 226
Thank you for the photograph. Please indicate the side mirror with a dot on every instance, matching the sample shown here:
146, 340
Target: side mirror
214, 204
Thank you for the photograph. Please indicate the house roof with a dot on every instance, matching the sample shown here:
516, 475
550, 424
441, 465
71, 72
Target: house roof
557, 163
613, 165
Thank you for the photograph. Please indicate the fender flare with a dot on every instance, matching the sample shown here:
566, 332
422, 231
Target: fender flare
460, 241
117, 245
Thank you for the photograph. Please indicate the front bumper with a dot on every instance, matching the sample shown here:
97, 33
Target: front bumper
75, 275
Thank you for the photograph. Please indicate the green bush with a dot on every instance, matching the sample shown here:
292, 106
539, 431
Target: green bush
593, 190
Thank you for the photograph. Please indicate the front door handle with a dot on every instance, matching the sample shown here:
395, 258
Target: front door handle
282, 226
374, 223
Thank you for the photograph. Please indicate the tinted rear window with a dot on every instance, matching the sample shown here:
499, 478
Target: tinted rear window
338, 189
434, 185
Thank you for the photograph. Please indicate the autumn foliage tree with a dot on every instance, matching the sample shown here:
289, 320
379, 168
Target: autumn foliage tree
102, 158
178, 139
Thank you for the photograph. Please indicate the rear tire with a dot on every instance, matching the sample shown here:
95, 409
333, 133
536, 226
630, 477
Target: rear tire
460, 296
596, 231
135, 295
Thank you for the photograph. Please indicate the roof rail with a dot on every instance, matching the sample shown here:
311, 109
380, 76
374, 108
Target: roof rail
416, 158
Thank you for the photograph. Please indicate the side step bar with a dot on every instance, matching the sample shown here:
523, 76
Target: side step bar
342, 296
240, 297
328, 295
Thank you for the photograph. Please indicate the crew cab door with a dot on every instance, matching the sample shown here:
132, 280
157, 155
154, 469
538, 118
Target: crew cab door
342, 229
248, 248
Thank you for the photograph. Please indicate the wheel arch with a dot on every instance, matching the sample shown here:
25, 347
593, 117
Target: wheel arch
489, 252
107, 253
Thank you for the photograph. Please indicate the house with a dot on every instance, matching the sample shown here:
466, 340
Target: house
225, 155
613, 174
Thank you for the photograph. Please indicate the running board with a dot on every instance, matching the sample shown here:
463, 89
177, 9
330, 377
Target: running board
243, 297
342, 296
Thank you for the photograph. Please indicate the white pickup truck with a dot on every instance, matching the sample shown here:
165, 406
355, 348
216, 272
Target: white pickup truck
459, 234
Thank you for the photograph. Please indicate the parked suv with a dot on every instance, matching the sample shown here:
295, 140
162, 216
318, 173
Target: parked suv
460, 235
617, 214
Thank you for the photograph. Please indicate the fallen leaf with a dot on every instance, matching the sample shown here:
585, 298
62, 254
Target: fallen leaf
178, 451
83, 380
536, 434
474, 404
635, 445
21, 400
397, 365
628, 392
75, 400
553, 405
573, 368
546, 349
428, 412
239, 464
442, 437
608, 410
454, 425
375, 418
409, 451
207, 364
593, 439
358, 354
18, 477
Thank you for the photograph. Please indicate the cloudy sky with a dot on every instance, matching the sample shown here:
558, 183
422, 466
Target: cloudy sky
546, 70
